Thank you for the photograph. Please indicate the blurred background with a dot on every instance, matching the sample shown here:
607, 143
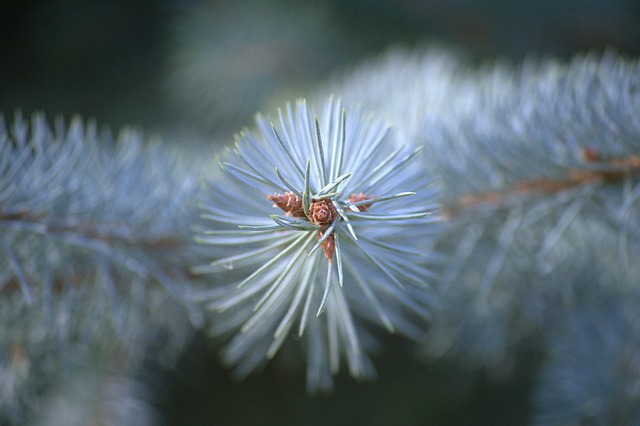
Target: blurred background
210, 65
202, 69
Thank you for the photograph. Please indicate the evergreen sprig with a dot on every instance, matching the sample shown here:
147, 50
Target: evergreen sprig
539, 167
350, 241
94, 242
318, 226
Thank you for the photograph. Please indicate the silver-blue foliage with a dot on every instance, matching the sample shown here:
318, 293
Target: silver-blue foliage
539, 168
94, 243
591, 374
323, 224
321, 281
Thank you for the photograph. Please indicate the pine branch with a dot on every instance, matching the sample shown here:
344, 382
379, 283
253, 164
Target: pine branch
538, 172
538, 166
337, 183
95, 242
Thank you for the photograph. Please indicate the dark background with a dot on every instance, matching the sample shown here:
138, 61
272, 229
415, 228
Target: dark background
120, 60
142, 63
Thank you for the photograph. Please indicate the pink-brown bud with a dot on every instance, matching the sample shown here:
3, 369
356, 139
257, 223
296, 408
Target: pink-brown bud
328, 246
322, 212
289, 202
354, 198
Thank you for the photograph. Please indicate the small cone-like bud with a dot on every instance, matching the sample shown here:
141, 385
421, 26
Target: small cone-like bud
322, 212
328, 246
289, 202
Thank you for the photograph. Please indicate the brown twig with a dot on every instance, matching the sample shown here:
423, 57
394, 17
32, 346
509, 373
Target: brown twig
92, 231
613, 170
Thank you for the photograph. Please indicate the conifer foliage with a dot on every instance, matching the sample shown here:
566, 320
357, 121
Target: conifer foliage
353, 243
539, 166
482, 211
94, 237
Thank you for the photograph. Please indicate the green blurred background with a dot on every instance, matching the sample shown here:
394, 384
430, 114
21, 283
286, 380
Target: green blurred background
210, 65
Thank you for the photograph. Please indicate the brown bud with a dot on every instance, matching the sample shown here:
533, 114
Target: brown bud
354, 198
322, 212
289, 202
328, 246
